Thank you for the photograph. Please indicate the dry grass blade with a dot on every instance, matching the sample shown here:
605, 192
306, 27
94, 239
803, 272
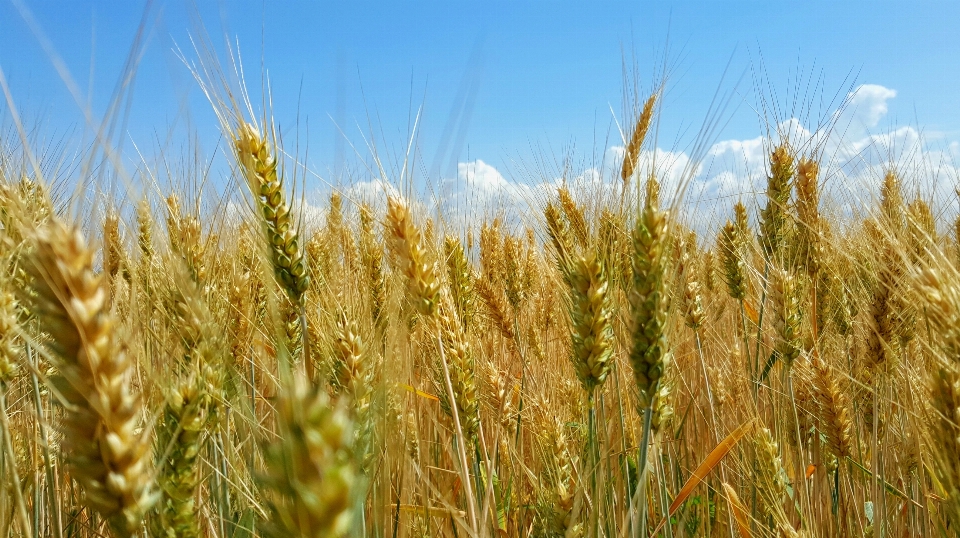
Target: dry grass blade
712, 460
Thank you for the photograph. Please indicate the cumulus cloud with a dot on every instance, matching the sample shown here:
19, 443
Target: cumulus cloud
373, 193
481, 175
867, 105
481, 191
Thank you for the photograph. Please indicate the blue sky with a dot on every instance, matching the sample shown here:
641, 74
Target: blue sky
515, 86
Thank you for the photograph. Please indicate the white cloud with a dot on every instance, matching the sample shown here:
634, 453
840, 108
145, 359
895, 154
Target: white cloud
479, 192
868, 104
481, 175
750, 154
670, 168
373, 193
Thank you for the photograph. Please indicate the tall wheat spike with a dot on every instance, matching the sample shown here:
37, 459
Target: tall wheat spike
192, 405
591, 315
107, 452
371, 257
833, 410
940, 290
632, 153
773, 218
310, 471
461, 280
426, 294
648, 299
259, 165
809, 245
786, 297
9, 324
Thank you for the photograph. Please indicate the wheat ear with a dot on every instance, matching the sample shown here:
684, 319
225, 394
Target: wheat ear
191, 407
371, 258
410, 256
260, 169
648, 299
353, 376
591, 316
941, 293
145, 245
575, 215
259, 166
9, 350
773, 218
786, 296
104, 447
833, 409
632, 153
771, 477
437, 309
310, 471
461, 280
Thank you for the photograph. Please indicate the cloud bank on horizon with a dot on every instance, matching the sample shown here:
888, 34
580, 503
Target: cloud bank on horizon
853, 156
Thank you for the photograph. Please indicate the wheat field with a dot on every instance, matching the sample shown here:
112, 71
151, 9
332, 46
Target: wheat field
600, 369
